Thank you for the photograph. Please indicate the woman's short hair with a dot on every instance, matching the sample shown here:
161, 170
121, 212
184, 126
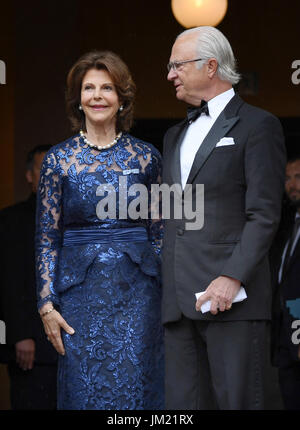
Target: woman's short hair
121, 77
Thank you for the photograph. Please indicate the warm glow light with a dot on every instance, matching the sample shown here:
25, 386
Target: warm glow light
192, 13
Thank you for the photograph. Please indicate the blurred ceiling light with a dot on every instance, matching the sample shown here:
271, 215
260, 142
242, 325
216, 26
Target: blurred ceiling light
192, 13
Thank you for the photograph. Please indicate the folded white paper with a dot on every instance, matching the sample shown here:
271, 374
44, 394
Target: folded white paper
225, 141
241, 295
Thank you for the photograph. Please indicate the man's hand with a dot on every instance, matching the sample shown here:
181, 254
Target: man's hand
25, 351
221, 291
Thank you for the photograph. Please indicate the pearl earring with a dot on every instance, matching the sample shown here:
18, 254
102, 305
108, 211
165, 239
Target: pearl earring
121, 108
80, 107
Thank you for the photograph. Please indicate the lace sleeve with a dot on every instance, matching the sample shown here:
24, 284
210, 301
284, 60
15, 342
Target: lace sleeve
48, 229
155, 222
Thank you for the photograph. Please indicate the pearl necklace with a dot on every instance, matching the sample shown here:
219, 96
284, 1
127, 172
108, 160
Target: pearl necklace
109, 145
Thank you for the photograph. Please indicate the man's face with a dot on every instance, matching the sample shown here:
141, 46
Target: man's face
292, 182
33, 175
190, 83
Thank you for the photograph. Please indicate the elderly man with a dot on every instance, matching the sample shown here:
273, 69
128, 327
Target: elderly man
215, 359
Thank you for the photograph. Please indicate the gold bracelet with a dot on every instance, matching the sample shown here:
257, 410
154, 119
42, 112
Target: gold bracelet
47, 312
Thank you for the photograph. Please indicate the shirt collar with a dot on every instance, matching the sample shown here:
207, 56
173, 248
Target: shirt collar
218, 103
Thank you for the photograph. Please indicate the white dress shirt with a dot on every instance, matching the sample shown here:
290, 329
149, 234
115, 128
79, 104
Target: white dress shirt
198, 130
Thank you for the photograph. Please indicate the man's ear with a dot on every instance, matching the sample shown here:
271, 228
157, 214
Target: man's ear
28, 176
212, 67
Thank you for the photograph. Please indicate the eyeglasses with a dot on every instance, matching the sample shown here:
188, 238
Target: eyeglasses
176, 64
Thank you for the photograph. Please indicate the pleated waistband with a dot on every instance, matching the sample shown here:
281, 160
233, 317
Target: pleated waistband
85, 236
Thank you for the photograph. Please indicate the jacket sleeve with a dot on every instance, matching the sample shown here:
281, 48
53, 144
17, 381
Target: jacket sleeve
17, 305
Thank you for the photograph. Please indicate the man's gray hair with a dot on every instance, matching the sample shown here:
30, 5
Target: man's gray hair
211, 43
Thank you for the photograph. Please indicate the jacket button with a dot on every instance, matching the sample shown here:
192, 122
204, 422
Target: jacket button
180, 232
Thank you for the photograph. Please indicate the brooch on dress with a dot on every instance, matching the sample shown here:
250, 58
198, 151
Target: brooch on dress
128, 171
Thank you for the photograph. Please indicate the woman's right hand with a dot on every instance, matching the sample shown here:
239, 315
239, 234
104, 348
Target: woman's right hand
53, 322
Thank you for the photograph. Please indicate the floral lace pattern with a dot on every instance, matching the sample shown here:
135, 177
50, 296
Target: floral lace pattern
108, 292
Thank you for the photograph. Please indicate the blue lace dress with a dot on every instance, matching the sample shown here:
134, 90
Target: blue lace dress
103, 274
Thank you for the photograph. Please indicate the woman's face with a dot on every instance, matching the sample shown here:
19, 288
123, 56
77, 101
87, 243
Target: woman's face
99, 98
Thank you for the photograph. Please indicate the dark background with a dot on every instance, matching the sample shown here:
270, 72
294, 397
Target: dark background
40, 41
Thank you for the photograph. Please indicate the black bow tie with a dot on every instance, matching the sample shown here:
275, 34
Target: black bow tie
194, 112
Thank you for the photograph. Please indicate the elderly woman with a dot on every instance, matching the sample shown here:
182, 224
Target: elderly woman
97, 266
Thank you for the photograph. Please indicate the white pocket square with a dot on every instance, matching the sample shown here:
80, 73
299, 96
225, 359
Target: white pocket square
225, 141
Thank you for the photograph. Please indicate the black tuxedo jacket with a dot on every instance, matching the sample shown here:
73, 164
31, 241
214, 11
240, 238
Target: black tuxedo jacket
18, 290
243, 187
284, 351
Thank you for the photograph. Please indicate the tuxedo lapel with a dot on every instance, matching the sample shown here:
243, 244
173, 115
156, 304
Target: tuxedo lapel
295, 256
177, 137
225, 121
